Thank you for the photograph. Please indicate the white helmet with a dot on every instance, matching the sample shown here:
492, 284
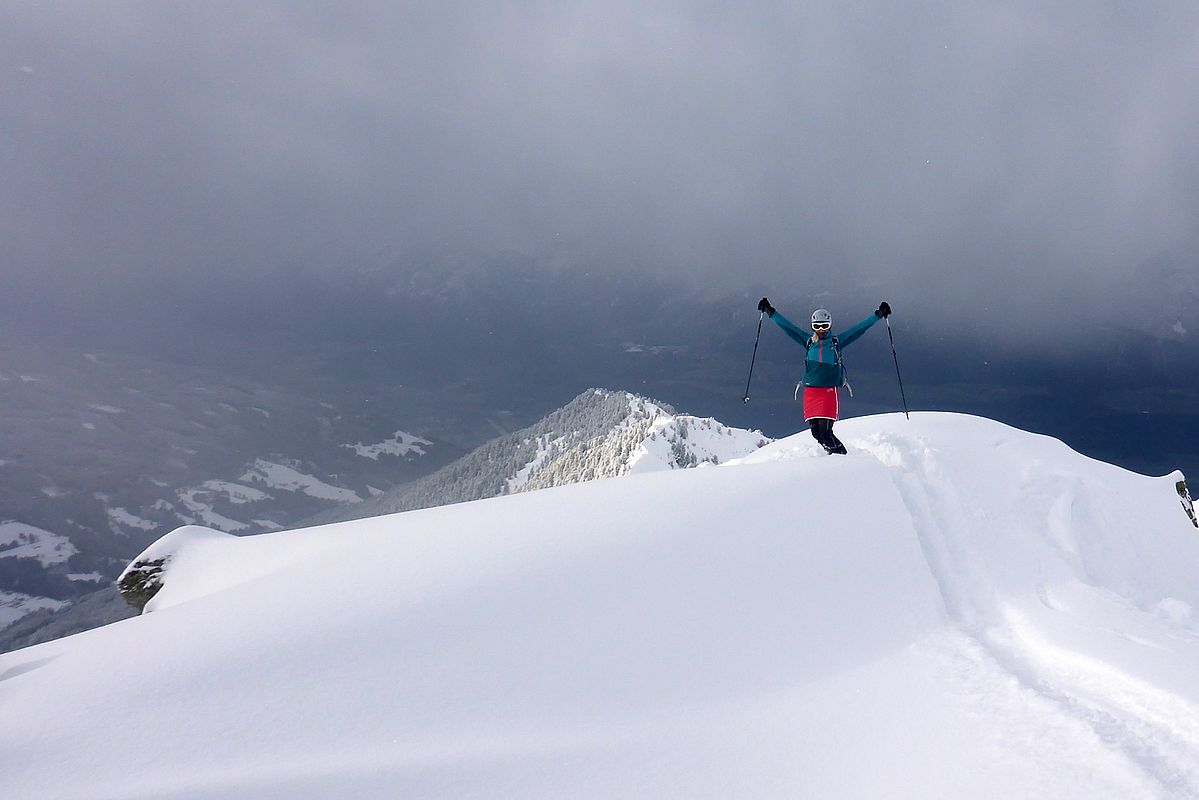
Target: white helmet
822, 315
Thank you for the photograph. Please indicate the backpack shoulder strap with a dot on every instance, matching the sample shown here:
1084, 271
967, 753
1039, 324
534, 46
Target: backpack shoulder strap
840, 363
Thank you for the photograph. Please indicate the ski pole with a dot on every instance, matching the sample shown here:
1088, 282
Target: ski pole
755, 358
887, 319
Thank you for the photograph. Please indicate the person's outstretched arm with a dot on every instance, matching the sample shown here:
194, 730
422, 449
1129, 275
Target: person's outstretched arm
790, 328
853, 333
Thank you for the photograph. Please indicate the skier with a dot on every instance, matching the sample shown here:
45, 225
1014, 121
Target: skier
824, 371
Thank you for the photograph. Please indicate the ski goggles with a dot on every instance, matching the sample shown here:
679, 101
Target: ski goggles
821, 326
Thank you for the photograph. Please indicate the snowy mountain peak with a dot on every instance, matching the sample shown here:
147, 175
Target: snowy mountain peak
650, 437
599, 434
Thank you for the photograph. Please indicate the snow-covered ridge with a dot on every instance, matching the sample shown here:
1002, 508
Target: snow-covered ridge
955, 609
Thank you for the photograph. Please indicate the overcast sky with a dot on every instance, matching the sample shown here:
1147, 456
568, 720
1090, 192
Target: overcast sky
981, 156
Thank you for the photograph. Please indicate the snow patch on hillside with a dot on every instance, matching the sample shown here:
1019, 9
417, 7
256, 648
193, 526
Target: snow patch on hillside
205, 513
106, 409
18, 540
235, 492
14, 605
400, 444
122, 518
546, 448
290, 479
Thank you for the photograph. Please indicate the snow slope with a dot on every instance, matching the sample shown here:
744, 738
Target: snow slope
955, 609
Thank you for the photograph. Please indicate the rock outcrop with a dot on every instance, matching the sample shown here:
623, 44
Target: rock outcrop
141, 581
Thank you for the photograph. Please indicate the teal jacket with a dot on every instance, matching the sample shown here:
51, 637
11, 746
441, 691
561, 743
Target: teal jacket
822, 367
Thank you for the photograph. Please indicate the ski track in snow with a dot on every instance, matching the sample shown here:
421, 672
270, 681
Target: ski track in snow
1154, 730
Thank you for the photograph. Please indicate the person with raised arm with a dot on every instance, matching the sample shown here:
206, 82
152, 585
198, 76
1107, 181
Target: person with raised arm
824, 370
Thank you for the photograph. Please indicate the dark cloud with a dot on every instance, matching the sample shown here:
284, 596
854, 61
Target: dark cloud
971, 160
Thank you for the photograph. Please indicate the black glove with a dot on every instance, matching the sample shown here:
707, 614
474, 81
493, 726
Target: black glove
764, 305
884, 310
